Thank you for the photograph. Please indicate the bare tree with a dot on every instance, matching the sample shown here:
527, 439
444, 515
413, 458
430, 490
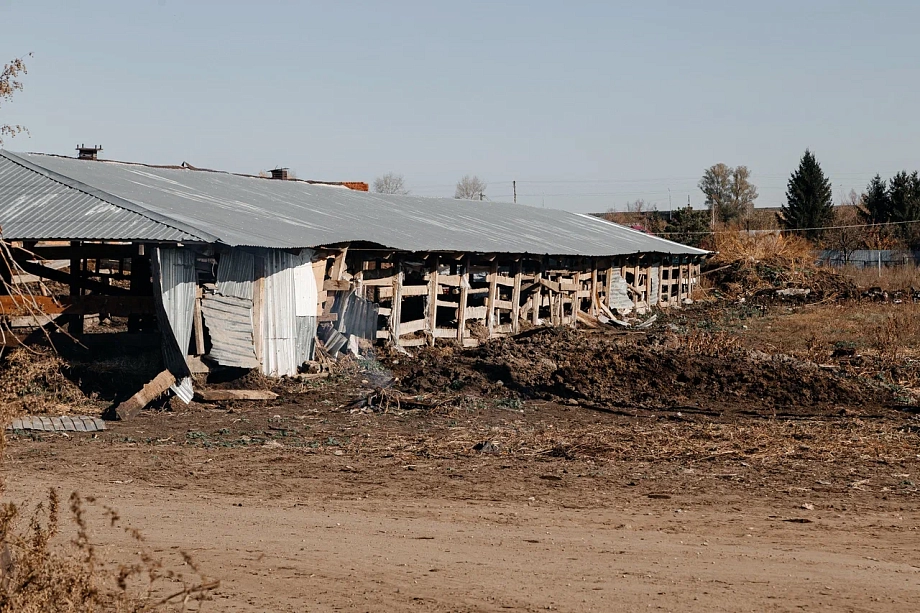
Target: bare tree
9, 85
729, 192
390, 183
470, 187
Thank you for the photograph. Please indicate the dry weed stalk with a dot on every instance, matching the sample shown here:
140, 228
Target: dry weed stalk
702, 342
36, 574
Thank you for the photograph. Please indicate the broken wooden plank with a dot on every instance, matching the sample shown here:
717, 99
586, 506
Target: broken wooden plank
409, 327
414, 290
336, 285
214, 395
133, 405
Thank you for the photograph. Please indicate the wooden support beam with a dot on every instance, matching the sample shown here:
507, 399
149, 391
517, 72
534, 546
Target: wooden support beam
198, 324
492, 278
75, 325
538, 296
594, 287
258, 297
215, 395
464, 295
415, 290
336, 285
136, 403
91, 251
338, 265
516, 298
433, 290
396, 313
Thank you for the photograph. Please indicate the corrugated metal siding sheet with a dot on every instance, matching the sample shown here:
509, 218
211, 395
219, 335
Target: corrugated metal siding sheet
279, 326
229, 323
33, 206
357, 316
235, 273
175, 282
292, 214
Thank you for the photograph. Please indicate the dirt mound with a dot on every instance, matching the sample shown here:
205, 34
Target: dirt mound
779, 278
35, 379
650, 371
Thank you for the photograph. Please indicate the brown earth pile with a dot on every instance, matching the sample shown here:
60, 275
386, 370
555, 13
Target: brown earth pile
761, 279
655, 370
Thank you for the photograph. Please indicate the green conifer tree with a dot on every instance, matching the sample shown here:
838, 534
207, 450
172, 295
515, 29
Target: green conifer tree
809, 198
876, 206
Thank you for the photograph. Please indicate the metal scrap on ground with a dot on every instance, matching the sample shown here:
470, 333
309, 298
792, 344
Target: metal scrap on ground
64, 423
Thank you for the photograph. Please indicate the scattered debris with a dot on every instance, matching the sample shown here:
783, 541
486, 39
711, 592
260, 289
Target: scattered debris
213, 395
136, 403
64, 423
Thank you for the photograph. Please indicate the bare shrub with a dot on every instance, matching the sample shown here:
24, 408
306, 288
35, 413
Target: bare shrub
37, 574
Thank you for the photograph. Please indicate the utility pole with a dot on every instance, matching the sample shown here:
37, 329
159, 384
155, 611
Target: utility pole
514, 188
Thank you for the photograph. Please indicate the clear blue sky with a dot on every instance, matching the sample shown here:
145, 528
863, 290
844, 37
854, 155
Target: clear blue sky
586, 105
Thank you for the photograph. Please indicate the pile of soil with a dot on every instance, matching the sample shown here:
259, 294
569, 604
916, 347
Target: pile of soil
652, 370
761, 280
35, 380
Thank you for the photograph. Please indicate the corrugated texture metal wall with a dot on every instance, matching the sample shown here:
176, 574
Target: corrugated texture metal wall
229, 323
175, 281
286, 342
235, 274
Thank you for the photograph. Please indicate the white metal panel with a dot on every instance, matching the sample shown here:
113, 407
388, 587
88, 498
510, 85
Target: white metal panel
175, 281
305, 294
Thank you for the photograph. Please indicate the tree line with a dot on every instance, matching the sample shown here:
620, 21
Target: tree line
882, 217
470, 187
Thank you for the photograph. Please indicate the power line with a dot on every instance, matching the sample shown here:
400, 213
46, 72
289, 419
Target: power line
865, 225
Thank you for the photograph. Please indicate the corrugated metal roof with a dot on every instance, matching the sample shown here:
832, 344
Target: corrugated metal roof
250, 211
34, 206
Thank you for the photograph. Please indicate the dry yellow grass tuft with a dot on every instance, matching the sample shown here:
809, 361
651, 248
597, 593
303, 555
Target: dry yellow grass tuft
753, 248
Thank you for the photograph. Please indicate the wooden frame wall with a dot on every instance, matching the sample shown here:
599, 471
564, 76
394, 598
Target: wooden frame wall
469, 298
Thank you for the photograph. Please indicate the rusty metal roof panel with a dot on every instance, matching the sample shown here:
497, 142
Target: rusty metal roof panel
250, 211
34, 206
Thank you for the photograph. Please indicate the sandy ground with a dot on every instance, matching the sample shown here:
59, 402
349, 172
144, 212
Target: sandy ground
327, 530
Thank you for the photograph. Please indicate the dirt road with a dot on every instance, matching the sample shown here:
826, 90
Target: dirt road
286, 531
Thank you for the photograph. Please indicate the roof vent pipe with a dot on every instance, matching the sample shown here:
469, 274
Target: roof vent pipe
280, 174
88, 153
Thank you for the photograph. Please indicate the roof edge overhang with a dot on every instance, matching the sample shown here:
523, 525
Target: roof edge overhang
192, 231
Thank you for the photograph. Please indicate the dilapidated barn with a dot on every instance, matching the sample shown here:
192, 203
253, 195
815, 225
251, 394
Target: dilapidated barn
248, 271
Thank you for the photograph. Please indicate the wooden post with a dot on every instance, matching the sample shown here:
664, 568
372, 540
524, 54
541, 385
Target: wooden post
594, 298
464, 293
258, 296
433, 291
75, 326
198, 324
609, 285
396, 307
516, 297
680, 281
140, 285
493, 294
538, 295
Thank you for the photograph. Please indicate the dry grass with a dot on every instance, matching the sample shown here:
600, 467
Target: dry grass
752, 248
892, 278
767, 442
